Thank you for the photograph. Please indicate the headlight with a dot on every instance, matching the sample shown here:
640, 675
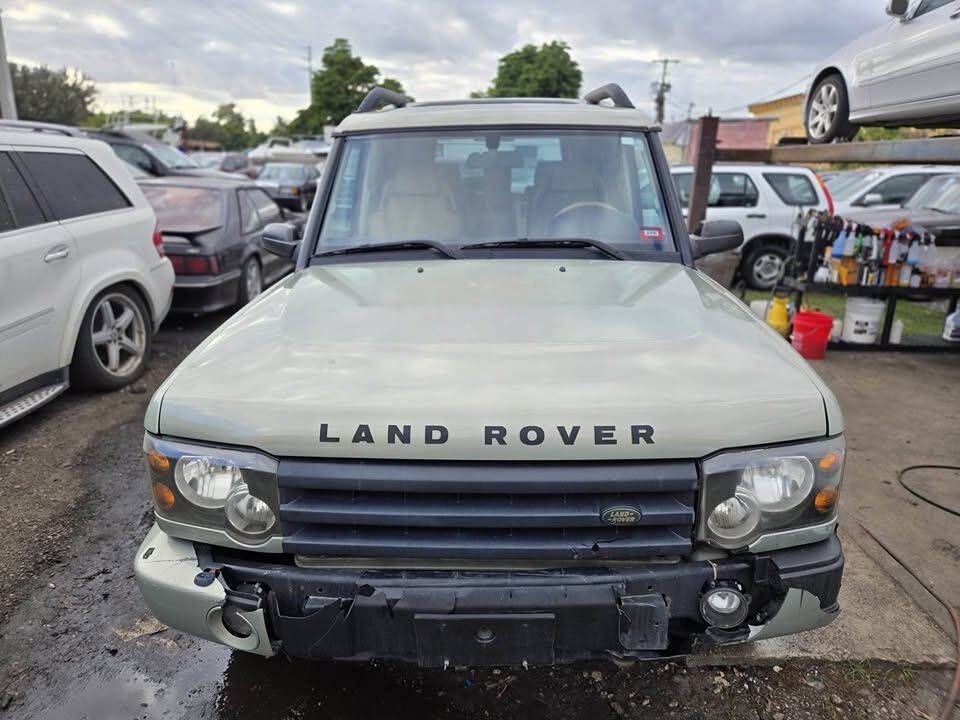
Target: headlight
205, 481
290, 189
751, 492
214, 488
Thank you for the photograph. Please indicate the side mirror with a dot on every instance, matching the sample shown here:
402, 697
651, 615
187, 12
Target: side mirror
872, 199
716, 236
897, 8
280, 239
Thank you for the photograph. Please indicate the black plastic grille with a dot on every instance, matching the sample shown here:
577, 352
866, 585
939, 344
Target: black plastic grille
474, 510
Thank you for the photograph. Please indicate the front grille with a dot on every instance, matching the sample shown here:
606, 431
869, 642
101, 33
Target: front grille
485, 510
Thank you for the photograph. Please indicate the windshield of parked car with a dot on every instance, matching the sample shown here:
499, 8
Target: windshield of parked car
185, 209
494, 185
847, 187
171, 157
282, 171
941, 193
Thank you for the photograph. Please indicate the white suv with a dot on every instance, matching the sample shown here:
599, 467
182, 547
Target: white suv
83, 280
766, 200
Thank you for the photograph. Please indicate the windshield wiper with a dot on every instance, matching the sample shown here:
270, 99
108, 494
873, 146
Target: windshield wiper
939, 210
450, 252
603, 247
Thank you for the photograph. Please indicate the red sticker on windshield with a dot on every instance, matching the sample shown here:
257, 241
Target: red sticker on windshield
651, 234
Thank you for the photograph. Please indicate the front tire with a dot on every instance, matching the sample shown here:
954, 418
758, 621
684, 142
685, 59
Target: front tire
828, 112
114, 342
251, 281
763, 265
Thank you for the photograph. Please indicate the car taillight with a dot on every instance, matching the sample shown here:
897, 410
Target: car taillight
823, 186
195, 264
158, 240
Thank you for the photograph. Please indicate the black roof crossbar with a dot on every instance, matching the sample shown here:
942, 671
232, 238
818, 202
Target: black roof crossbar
380, 96
610, 91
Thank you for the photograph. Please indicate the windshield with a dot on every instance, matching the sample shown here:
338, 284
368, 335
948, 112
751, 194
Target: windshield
282, 171
185, 209
939, 193
845, 187
171, 157
479, 186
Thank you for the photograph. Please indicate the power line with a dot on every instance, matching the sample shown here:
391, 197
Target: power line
663, 87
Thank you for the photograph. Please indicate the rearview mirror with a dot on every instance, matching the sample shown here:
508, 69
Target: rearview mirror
280, 239
897, 8
872, 199
716, 236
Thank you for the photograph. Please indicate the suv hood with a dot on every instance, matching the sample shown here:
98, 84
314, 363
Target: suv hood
342, 351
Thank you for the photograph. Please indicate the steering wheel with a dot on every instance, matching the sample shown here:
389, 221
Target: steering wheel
585, 204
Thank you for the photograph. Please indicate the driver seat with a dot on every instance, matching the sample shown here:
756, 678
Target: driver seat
567, 183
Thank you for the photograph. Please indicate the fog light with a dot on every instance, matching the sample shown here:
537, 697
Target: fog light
724, 607
235, 623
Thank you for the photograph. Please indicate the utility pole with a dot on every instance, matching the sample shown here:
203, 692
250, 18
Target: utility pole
309, 49
690, 111
663, 87
8, 104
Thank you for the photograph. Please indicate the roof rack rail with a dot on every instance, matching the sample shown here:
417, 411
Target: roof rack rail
380, 96
41, 127
610, 91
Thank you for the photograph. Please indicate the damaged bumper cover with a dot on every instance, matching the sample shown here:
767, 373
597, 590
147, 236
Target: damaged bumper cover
444, 617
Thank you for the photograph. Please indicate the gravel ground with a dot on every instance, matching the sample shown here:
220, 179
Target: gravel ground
76, 641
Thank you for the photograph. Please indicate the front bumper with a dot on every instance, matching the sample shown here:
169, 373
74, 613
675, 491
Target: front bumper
439, 618
205, 293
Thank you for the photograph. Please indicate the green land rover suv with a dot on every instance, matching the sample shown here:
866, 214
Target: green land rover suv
495, 416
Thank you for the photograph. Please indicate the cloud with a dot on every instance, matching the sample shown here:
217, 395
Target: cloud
192, 56
104, 25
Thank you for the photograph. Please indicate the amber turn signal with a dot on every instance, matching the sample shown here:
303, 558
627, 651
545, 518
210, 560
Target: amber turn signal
163, 496
830, 462
158, 461
825, 499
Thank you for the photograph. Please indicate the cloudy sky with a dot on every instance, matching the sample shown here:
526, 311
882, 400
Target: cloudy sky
189, 56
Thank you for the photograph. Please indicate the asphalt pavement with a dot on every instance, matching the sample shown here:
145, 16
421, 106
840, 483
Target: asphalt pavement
77, 642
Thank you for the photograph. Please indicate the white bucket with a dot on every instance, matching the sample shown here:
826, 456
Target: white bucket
861, 322
759, 308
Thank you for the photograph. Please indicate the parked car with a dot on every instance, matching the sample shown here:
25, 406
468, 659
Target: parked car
906, 72
881, 188
934, 207
292, 185
228, 162
83, 279
150, 155
211, 232
487, 426
281, 149
766, 200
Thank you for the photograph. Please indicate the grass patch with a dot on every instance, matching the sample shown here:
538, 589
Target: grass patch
919, 318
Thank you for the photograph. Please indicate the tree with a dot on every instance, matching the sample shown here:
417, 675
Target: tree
228, 128
547, 71
338, 87
55, 96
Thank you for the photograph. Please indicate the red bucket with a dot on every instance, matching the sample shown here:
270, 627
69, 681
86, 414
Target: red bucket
811, 331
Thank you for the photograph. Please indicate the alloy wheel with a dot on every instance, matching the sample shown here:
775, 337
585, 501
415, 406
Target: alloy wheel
823, 110
767, 268
119, 334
